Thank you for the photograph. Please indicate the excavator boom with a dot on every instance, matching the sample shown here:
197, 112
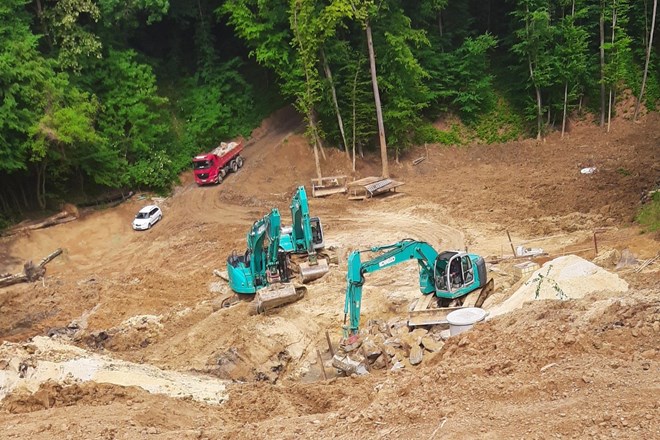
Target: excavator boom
305, 236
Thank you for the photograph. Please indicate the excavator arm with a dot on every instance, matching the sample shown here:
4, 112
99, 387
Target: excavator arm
304, 237
301, 229
273, 232
390, 255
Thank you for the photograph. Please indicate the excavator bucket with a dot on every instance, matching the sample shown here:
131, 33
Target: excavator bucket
277, 295
310, 272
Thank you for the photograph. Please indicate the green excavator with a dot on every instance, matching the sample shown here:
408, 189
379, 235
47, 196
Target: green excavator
262, 273
447, 280
274, 253
303, 240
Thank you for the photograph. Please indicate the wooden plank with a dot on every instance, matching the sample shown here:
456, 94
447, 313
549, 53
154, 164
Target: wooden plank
430, 316
321, 180
364, 181
423, 302
320, 192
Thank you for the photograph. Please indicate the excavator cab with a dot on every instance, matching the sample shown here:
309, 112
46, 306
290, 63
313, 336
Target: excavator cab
457, 273
317, 232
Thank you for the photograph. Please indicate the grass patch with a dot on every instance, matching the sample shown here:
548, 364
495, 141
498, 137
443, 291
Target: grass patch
649, 216
501, 124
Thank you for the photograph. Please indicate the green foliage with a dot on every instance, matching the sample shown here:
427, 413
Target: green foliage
460, 78
71, 33
649, 215
5, 222
501, 124
401, 77
133, 119
24, 73
427, 133
213, 110
123, 93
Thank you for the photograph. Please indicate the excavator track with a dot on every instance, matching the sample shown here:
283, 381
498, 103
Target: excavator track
232, 299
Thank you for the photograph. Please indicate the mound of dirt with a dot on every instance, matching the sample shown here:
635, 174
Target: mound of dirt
563, 278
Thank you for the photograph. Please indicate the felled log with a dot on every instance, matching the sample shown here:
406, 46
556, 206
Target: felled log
30, 271
68, 215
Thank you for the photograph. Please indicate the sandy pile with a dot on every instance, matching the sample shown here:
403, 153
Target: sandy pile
567, 277
27, 366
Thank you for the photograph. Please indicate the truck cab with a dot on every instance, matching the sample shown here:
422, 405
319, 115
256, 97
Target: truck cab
206, 169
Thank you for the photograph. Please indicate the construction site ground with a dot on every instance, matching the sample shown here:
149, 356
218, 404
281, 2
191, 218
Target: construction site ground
146, 304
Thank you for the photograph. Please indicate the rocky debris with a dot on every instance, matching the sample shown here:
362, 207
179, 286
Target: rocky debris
382, 345
29, 366
349, 366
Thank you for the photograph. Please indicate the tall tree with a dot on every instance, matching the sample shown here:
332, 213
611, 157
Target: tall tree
646, 62
571, 50
535, 38
305, 31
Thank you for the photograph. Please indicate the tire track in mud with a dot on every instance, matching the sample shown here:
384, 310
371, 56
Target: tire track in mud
375, 227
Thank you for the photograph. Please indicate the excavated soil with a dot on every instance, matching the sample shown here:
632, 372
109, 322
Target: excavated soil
584, 368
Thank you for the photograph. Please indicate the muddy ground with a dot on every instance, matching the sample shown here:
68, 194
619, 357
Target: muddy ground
577, 369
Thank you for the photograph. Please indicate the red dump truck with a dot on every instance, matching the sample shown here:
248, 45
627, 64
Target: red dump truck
214, 166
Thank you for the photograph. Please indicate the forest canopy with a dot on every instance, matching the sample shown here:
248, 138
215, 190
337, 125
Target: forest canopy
100, 94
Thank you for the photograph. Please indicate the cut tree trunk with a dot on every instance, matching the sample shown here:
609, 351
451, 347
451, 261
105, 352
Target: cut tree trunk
601, 25
379, 110
646, 64
563, 118
30, 271
57, 219
340, 122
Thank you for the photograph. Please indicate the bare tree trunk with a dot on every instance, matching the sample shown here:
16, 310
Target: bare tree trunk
41, 184
646, 63
26, 204
539, 103
379, 112
328, 74
317, 162
309, 105
601, 24
317, 138
609, 103
539, 106
440, 22
357, 71
563, 119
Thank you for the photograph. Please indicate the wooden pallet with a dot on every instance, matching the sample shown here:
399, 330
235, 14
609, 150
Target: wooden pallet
325, 186
371, 186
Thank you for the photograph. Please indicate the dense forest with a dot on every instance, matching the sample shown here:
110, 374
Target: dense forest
101, 94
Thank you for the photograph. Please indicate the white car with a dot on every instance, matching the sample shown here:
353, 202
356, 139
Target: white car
147, 217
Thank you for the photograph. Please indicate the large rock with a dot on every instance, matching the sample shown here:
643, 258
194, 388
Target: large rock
431, 344
416, 354
349, 365
371, 349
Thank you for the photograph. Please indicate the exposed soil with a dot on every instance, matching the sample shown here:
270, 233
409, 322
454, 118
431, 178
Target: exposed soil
585, 368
